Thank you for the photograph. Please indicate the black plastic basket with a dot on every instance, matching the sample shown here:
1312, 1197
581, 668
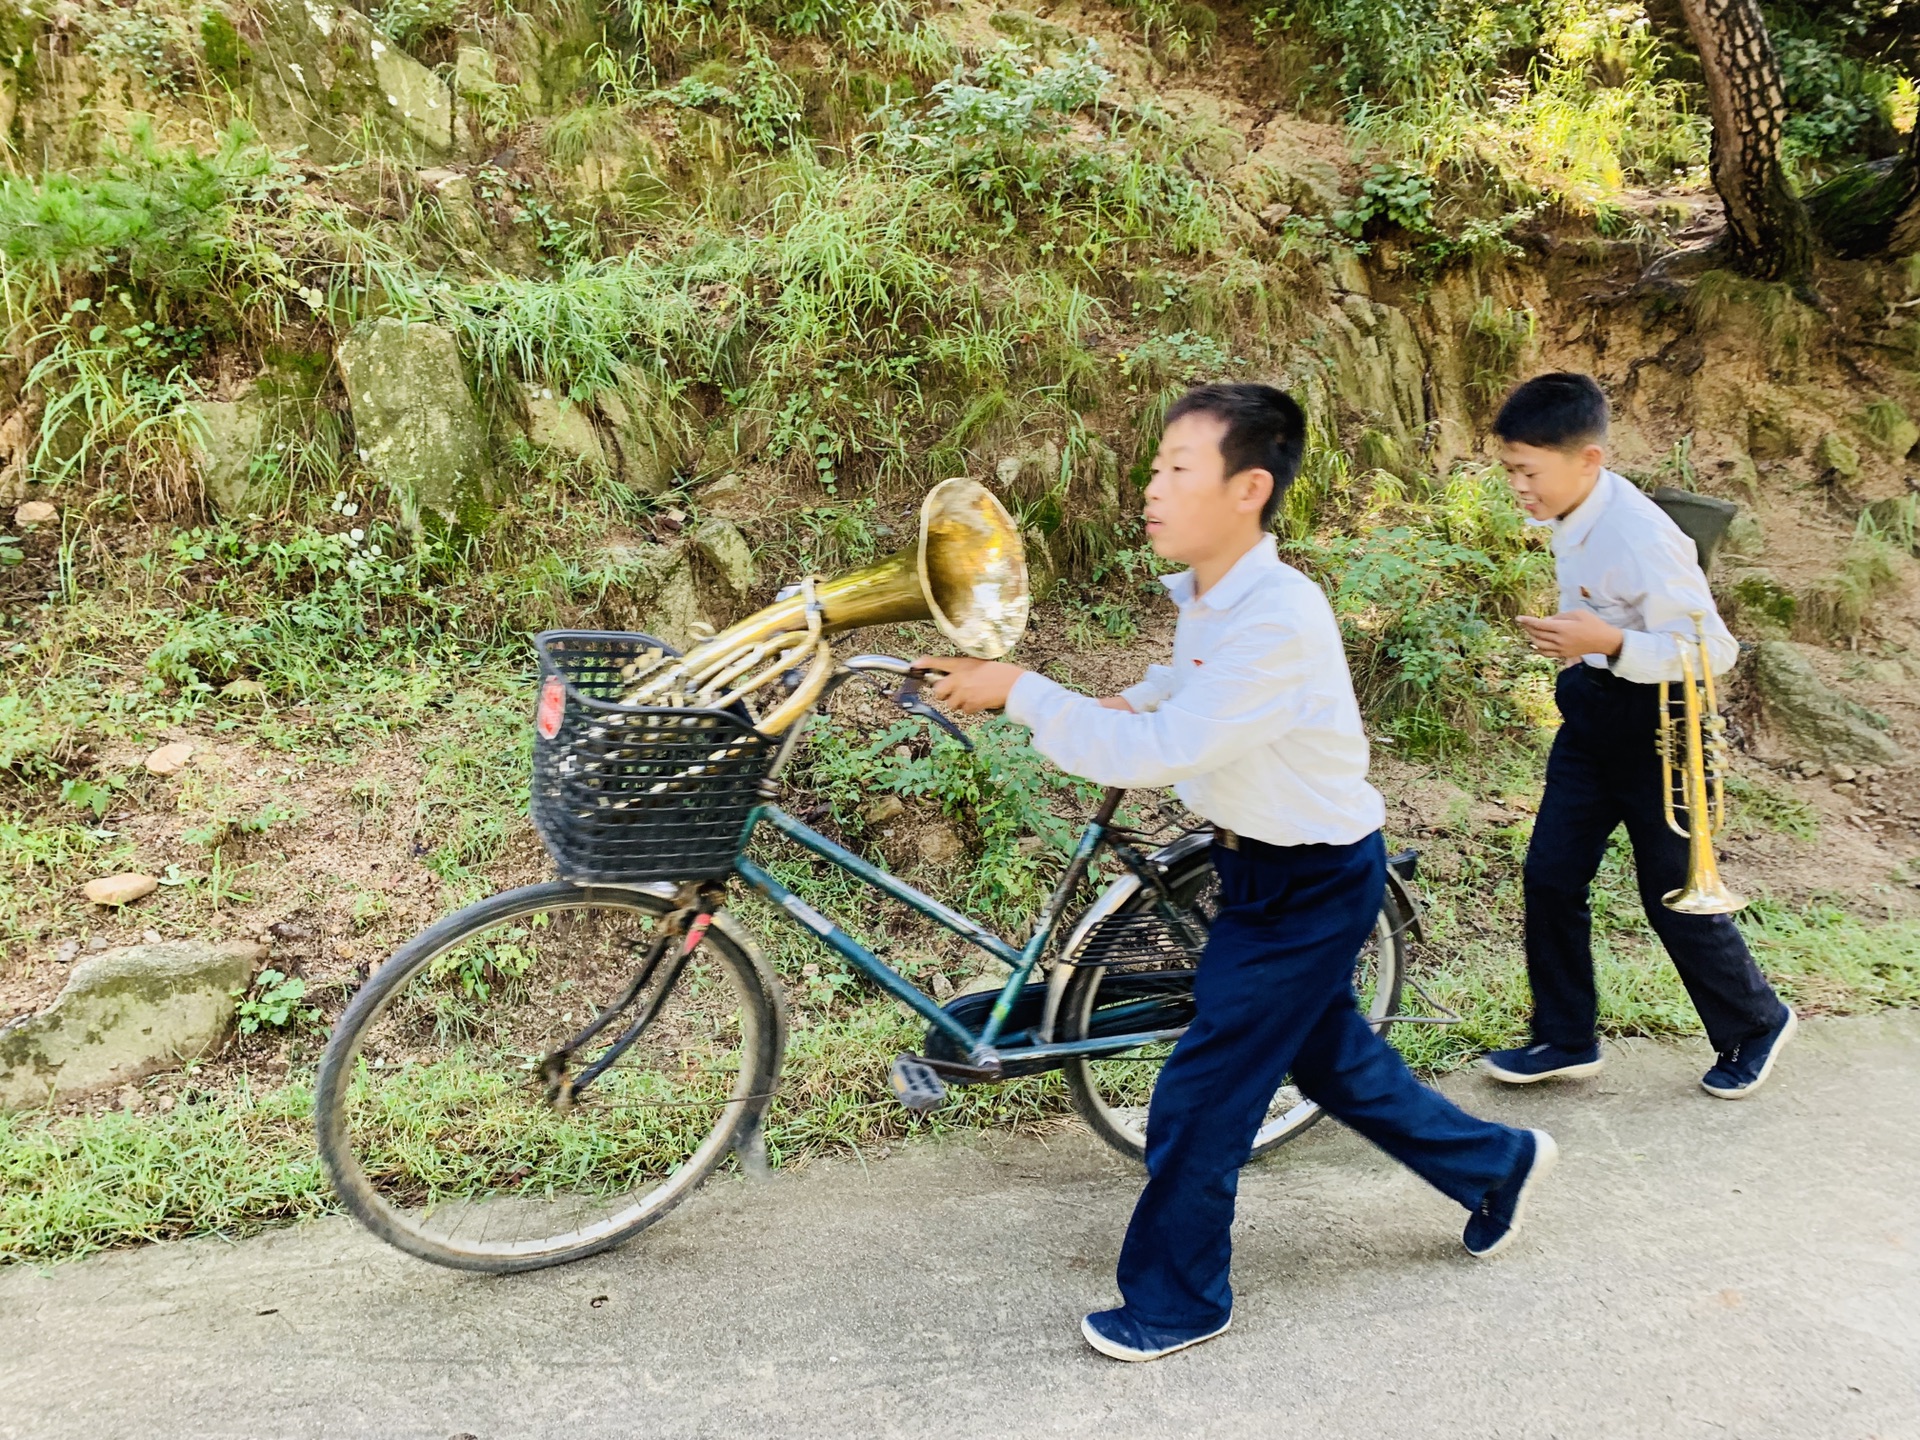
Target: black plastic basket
631, 793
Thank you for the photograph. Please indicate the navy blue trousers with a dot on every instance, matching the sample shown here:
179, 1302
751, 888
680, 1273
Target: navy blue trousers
1604, 772
1273, 994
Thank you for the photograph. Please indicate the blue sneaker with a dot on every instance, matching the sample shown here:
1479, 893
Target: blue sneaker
1491, 1227
1531, 1063
1744, 1069
1116, 1333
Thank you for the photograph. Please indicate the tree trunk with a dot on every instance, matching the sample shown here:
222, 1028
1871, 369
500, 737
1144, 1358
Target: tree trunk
1874, 209
1768, 236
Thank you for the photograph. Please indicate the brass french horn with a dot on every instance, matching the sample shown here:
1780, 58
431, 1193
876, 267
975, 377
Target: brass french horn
967, 572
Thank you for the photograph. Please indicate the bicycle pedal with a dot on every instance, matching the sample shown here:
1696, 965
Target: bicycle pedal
916, 1085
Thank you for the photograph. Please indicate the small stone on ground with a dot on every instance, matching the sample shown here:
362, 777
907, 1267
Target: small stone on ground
119, 889
170, 759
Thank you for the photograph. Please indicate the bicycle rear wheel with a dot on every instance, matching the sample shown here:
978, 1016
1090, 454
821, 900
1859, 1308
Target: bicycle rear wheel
440, 1131
1132, 949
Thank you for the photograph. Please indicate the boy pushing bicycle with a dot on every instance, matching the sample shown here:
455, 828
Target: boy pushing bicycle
1255, 725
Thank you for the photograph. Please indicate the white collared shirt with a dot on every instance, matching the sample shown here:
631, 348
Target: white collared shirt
1621, 556
1254, 724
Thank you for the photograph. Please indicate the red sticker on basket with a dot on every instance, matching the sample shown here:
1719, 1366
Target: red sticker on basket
553, 700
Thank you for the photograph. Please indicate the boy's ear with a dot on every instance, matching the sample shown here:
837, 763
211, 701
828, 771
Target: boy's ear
1594, 455
1252, 478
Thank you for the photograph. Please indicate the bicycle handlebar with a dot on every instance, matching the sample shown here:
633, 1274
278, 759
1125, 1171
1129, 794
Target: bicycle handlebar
907, 697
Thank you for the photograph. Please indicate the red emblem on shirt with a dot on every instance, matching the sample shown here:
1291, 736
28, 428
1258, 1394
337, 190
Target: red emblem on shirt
553, 701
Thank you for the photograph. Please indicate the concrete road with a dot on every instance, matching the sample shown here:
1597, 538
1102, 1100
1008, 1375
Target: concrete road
1694, 1269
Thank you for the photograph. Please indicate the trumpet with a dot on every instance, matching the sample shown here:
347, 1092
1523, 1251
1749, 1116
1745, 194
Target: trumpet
1695, 762
967, 572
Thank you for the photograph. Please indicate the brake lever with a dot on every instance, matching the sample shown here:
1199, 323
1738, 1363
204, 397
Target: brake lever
907, 697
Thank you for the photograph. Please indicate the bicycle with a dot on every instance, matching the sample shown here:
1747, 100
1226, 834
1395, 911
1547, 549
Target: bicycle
471, 1109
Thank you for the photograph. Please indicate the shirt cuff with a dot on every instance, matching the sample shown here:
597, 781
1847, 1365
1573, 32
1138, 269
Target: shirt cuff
1152, 692
1646, 657
1033, 698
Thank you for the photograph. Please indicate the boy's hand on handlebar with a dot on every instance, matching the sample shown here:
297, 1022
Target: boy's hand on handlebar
970, 685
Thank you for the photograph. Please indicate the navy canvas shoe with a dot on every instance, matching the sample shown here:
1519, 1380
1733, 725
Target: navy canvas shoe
1492, 1227
1744, 1069
1116, 1333
1530, 1063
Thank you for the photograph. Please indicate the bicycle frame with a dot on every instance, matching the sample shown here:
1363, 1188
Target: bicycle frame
981, 1047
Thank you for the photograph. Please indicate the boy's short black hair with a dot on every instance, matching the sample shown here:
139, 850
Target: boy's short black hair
1561, 411
1265, 431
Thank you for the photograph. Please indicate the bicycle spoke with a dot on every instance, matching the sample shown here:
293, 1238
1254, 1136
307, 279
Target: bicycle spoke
445, 1121
1139, 952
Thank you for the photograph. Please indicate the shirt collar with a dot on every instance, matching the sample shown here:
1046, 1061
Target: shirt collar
1231, 587
1574, 527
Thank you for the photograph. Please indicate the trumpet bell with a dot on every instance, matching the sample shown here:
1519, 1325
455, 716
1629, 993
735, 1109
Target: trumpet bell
1696, 899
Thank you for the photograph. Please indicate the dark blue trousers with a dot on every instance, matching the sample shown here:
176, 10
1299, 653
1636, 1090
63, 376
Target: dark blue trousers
1273, 994
1604, 772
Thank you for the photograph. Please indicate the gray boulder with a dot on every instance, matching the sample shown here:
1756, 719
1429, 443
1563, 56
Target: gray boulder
124, 1014
1812, 718
651, 588
417, 424
563, 428
723, 547
233, 434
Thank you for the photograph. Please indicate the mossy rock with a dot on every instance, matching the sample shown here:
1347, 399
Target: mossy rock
232, 452
1891, 427
417, 424
1813, 719
123, 1015
726, 552
1772, 435
558, 426
1765, 605
1835, 456
225, 52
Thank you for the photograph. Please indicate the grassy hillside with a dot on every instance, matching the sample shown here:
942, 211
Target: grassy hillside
713, 273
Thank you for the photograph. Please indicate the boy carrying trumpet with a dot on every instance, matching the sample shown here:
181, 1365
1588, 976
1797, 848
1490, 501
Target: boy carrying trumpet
1629, 586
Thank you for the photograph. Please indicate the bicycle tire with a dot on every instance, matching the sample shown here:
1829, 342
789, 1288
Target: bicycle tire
762, 1027
1189, 868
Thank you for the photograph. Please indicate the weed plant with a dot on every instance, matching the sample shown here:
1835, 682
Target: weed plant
1547, 100
1426, 595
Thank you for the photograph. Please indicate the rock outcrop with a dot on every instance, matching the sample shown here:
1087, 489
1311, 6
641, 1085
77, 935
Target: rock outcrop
726, 550
233, 435
124, 1014
1812, 719
320, 67
652, 589
416, 423
559, 426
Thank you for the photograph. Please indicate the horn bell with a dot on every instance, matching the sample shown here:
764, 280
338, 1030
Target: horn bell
972, 568
967, 573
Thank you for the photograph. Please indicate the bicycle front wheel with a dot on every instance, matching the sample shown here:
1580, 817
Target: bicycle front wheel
442, 1131
1131, 951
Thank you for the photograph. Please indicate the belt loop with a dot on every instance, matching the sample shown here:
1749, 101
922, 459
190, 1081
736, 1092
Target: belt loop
1225, 838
